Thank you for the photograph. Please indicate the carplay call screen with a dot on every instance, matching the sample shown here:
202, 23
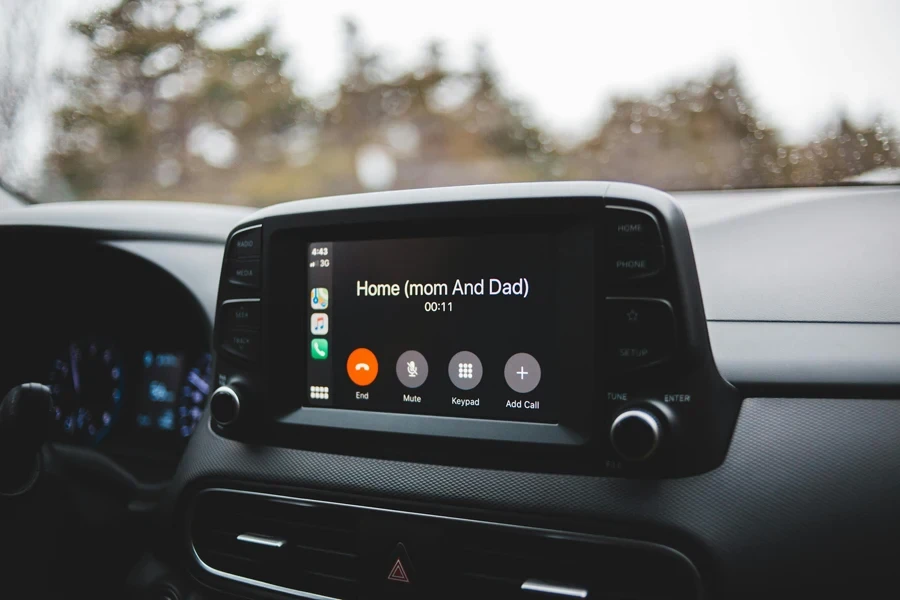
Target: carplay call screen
450, 326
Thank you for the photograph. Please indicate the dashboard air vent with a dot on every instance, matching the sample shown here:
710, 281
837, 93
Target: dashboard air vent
516, 563
288, 547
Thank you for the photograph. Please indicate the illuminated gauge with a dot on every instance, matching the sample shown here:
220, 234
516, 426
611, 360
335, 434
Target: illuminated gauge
87, 387
193, 395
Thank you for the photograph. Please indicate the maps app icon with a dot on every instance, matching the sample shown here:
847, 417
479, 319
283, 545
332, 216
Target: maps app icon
318, 298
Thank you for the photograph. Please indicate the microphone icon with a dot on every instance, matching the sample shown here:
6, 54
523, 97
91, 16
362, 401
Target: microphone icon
411, 369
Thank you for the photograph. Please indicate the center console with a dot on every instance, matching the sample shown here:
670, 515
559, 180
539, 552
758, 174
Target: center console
553, 328
431, 394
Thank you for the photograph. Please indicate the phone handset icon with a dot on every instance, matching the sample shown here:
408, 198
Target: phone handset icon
319, 349
362, 366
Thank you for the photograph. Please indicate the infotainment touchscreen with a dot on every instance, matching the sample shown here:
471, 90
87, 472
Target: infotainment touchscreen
443, 326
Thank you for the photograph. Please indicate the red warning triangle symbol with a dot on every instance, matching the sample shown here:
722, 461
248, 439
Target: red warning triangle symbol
398, 573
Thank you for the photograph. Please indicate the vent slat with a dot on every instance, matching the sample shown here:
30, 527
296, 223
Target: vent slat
320, 553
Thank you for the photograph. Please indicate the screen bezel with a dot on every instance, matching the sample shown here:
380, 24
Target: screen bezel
283, 367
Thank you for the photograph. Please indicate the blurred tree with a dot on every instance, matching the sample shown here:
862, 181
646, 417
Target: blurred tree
161, 113
708, 135
423, 127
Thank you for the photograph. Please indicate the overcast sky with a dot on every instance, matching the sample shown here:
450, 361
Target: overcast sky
801, 60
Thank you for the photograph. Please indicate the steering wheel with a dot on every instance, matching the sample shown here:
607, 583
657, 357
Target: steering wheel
74, 522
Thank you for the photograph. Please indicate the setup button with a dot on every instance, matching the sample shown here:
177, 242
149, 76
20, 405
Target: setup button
639, 331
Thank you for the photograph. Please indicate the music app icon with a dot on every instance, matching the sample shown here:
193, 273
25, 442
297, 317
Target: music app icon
318, 323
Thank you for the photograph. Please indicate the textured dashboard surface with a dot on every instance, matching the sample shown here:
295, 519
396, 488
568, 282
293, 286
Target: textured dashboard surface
806, 498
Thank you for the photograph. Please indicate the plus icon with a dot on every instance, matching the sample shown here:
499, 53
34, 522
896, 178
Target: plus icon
522, 373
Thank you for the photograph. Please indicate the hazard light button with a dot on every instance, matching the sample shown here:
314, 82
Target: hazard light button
399, 578
398, 572
401, 570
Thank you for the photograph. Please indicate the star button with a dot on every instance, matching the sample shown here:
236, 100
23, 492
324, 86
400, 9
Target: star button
632, 315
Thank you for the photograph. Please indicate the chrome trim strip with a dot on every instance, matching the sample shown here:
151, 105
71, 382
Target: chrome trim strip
550, 589
261, 540
243, 229
260, 584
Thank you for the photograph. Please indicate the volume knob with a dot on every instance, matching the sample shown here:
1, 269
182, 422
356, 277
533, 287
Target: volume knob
636, 434
225, 405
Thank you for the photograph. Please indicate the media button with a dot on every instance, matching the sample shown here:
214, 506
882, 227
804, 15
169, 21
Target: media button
465, 370
522, 372
412, 369
244, 273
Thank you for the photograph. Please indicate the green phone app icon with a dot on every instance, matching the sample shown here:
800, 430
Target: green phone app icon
318, 348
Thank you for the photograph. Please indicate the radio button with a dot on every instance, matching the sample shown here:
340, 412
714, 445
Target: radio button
243, 344
246, 243
634, 262
631, 226
245, 273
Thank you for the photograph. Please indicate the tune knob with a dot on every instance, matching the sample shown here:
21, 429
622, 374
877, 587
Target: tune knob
225, 405
636, 434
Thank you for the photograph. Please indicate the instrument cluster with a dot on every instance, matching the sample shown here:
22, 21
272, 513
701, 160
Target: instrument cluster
99, 390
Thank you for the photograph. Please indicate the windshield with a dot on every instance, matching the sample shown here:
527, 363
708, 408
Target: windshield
255, 102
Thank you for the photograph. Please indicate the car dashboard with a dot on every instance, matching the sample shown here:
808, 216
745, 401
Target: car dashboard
773, 465
120, 341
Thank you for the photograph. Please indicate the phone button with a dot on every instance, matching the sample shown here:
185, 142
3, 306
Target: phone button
362, 366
